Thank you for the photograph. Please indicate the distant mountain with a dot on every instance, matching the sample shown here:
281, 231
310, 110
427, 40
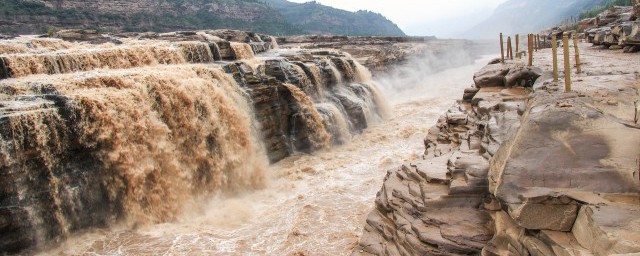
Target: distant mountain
39, 16
35, 16
316, 18
528, 16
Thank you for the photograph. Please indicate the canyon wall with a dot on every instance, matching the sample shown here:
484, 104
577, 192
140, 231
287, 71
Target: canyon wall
277, 17
38, 16
518, 167
135, 128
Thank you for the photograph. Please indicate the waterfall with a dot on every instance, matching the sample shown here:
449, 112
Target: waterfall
242, 51
162, 137
316, 131
33, 45
140, 132
116, 57
274, 43
363, 75
313, 72
336, 122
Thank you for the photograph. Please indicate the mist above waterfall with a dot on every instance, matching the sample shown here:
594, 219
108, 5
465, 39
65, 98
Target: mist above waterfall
414, 78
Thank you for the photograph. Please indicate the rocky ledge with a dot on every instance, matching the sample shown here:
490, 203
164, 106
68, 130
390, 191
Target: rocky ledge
381, 53
615, 28
521, 168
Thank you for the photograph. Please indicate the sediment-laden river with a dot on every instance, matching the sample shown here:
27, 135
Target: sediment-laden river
313, 204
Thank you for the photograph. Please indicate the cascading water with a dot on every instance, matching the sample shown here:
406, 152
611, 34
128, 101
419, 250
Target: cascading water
242, 51
161, 137
116, 57
139, 133
316, 130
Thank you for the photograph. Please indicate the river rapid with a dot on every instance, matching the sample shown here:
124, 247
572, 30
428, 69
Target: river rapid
313, 204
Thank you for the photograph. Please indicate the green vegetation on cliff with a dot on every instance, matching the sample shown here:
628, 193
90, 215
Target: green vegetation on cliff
316, 18
601, 8
36, 16
32, 17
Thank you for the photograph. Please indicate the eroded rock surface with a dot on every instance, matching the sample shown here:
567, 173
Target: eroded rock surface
540, 171
384, 53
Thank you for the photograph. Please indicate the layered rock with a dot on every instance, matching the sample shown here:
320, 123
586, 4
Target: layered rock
515, 170
381, 54
441, 205
615, 28
43, 16
97, 133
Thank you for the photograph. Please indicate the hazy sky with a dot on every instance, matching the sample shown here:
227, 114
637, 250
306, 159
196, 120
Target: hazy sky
443, 18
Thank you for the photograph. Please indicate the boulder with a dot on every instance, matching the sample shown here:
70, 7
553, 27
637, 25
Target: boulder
523, 76
469, 93
634, 36
491, 75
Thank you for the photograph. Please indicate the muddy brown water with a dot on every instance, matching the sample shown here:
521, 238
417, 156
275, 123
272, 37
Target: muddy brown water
312, 204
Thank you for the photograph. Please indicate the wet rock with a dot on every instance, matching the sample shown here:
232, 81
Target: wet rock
78, 35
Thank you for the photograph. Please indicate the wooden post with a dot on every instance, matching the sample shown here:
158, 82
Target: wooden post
577, 52
544, 42
517, 43
510, 47
530, 45
554, 49
501, 49
535, 42
567, 65
539, 44
506, 50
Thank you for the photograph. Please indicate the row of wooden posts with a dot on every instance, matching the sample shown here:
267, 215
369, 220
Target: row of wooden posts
534, 44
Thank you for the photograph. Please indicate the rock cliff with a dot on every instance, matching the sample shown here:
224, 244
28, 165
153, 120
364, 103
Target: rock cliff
381, 54
37, 16
615, 28
520, 168
41, 16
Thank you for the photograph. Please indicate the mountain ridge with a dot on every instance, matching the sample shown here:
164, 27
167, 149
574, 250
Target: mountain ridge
527, 16
39, 16
312, 15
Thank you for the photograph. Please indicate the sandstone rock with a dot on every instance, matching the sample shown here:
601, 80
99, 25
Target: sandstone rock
545, 213
522, 76
78, 35
495, 61
608, 230
634, 35
469, 93
491, 76
562, 169
383, 53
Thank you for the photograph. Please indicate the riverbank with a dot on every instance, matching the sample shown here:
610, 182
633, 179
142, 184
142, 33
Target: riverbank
523, 171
